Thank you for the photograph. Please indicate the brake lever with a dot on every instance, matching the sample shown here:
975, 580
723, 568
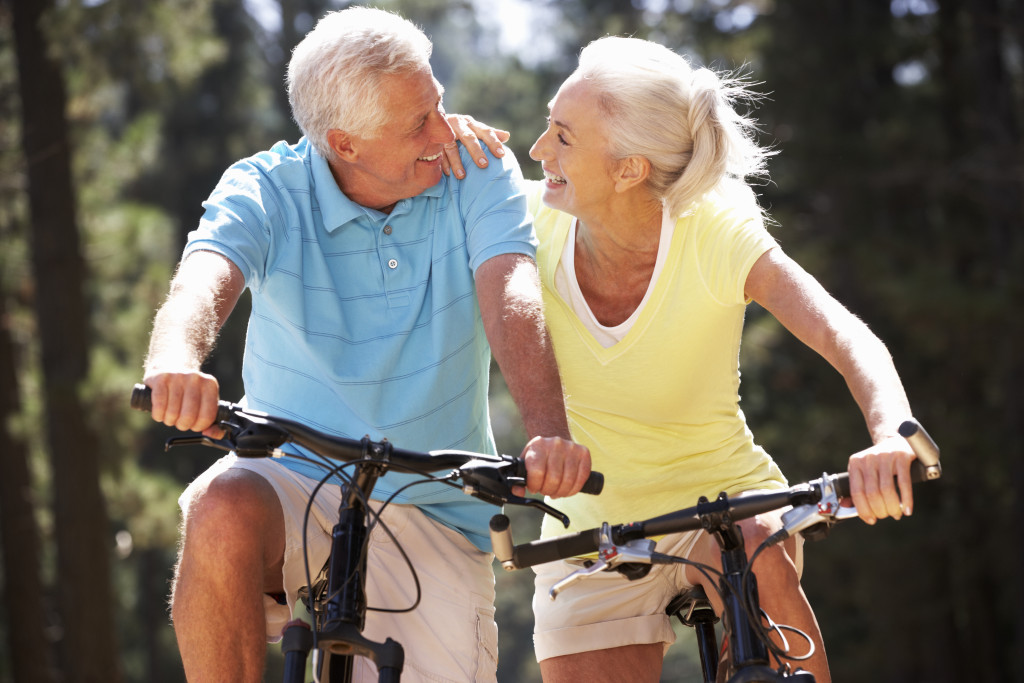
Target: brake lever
492, 482
199, 440
609, 556
827, 511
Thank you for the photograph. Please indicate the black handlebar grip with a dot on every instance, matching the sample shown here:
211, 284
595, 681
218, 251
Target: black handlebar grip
571, 545
142, 398
594, 484
842, 483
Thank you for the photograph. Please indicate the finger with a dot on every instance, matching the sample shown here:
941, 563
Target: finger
566, 477
906, 485
208, 405
172, 406
878, 486
534, 467
158, 398
191, 403
887, 488
544, 466
494, 139
860, 499
576, 468
214, 432
464, 129
451, 160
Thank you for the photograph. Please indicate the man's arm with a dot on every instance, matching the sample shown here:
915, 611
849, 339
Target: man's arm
203, 293
508, 289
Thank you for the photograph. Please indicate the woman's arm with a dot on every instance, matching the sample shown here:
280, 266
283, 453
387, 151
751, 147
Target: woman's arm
817, 319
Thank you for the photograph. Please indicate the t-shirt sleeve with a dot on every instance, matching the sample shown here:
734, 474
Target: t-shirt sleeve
236, 221
732, 238
494, 208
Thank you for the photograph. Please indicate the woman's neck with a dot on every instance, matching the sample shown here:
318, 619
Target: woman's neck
615, 255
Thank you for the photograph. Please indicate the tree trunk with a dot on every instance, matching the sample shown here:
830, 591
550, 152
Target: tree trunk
23, 590
85, 604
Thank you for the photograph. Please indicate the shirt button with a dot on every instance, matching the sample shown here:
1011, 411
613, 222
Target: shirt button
387, 229
392, 264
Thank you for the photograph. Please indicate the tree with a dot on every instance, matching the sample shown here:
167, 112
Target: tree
896, 185
83, 573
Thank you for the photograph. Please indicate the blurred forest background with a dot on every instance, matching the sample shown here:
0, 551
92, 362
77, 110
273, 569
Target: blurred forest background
898, 184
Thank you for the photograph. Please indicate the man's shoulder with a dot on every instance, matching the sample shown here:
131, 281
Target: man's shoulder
288, 162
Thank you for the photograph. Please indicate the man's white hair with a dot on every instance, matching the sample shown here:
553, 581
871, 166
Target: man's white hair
335, 74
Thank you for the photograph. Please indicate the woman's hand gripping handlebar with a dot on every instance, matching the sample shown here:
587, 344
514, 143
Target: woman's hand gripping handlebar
252, 434
817, 505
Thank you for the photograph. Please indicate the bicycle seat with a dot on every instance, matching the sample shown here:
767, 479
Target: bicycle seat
692, 607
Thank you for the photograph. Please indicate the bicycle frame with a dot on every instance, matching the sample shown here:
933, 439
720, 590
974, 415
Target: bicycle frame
340, 638
336, 630
748, 657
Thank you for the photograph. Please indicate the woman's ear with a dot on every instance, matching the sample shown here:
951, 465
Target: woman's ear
342, 144
632, 171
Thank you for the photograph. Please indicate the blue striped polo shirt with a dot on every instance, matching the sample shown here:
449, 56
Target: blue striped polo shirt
365, 323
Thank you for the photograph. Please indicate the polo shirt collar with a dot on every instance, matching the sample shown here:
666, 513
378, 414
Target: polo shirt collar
336, 208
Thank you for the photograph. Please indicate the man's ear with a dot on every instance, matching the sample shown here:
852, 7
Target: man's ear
342, 144
632, 171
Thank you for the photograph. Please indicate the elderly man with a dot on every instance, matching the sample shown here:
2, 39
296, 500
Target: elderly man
376, 286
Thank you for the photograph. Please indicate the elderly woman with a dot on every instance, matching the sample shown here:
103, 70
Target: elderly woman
651, 246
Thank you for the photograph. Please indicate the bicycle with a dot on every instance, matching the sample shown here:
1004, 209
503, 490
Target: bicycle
629, 550
336, 606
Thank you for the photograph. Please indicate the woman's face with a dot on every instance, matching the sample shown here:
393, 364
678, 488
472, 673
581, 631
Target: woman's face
573, 152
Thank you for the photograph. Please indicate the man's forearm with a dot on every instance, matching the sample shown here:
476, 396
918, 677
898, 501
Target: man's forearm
202, 294
510, 302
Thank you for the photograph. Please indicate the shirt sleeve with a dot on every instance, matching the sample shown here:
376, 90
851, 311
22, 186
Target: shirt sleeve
732, 237
493, 206
236, 221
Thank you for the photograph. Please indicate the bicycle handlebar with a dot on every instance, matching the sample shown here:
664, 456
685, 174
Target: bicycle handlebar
812, 493
254, 434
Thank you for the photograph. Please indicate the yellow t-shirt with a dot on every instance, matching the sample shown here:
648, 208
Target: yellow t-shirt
659, 410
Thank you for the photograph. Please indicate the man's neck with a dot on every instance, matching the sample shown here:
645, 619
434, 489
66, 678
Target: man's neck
350, 187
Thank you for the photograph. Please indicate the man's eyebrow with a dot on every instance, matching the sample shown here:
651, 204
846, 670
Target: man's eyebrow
416, 120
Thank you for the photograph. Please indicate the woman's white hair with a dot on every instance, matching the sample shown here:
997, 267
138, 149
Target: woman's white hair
680, 119
335, 73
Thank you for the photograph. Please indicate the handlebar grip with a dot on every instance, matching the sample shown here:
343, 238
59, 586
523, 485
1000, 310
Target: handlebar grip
142, 398
924, 447
570, 545
501, 539
842, 483
594, 484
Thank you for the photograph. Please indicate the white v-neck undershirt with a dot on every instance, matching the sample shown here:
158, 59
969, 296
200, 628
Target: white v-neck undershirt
569, 288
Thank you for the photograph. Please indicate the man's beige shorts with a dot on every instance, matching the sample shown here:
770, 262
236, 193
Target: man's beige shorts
451, 636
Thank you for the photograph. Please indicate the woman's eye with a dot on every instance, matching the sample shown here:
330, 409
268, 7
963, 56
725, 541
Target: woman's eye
562, 140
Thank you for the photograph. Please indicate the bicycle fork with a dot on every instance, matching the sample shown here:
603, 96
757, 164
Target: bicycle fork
748, 655
339, 631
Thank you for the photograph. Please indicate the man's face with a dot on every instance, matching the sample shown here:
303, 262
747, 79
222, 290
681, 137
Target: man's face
403, 157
